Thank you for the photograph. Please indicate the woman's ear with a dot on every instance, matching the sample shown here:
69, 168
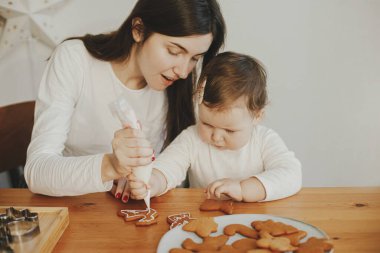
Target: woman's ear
137, 30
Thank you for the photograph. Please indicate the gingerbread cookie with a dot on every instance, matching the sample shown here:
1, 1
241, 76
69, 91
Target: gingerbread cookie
260, 251
176, 250
232, 229
295, 237
314, 245
226, 206
224, 249
267, 241
209, 243
274, 228
145, 217
202, 226
175, 220
245, 244
273, 237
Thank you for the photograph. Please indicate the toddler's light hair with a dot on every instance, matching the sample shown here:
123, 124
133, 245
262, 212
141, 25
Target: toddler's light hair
231, 75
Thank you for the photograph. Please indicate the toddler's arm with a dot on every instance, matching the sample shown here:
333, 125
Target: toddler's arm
252, 190
282, 175
248, 190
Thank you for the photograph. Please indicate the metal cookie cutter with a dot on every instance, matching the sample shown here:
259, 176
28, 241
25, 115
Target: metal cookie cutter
18, 225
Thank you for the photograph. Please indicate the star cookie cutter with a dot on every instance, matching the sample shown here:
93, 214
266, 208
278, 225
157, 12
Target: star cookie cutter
18, 225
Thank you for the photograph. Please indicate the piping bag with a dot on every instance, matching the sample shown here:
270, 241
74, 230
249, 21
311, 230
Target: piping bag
127, 116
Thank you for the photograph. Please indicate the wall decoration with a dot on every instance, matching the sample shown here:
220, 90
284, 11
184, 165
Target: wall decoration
25, 21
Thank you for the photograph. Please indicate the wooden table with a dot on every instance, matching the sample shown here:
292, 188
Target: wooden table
350, 216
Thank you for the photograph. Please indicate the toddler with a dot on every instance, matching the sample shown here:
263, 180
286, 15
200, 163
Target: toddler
227, 152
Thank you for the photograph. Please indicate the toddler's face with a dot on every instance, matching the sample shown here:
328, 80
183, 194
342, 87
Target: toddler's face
227, 129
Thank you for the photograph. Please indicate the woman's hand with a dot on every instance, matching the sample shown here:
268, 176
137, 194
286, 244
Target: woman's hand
224, 189
120, 189
130, 149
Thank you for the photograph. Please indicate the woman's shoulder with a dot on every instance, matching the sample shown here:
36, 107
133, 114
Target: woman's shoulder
72, 44
72, 49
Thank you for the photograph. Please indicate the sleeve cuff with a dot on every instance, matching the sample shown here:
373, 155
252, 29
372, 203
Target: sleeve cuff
168, 187
269, 195
100, 186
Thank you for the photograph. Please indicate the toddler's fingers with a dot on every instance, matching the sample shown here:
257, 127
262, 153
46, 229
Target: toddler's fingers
139, 197
139, 192
134, 179
207, 191
213, 186
221, 191
136, 184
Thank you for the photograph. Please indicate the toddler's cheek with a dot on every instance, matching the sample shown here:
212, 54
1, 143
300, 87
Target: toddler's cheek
204, 135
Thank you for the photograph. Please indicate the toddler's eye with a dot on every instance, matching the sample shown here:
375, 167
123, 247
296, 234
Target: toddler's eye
230, 131
207, 125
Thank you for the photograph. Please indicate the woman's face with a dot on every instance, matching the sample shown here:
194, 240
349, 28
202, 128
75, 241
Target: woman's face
164, 59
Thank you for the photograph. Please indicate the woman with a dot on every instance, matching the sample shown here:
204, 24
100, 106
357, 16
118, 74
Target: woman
77, 145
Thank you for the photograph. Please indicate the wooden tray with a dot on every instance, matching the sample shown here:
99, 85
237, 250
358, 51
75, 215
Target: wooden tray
52, 221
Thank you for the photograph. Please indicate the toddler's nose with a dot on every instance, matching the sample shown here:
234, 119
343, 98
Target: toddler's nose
216, 136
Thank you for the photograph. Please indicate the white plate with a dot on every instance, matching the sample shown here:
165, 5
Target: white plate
174, 238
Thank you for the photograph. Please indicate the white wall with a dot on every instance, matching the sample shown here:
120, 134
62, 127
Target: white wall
323, 62
323, 59
21, 69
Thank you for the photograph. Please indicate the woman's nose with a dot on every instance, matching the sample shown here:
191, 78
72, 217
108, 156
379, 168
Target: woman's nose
182, 69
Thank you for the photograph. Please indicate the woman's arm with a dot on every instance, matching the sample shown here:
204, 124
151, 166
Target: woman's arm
47, 171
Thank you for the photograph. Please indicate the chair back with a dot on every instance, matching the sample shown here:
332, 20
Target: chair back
16, 124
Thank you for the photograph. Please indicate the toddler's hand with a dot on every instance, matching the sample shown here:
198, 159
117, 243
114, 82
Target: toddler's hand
226, 186
138, 189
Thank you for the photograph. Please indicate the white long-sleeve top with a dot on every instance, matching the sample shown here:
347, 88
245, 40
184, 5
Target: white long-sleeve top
74, 126
265, 157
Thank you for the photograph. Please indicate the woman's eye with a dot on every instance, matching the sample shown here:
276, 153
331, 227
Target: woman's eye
194, 59
172, 52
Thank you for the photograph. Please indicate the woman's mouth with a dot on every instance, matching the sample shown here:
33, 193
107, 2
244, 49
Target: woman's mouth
167, 80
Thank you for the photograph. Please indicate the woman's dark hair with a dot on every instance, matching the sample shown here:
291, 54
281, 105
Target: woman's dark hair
176, 18
230, 76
